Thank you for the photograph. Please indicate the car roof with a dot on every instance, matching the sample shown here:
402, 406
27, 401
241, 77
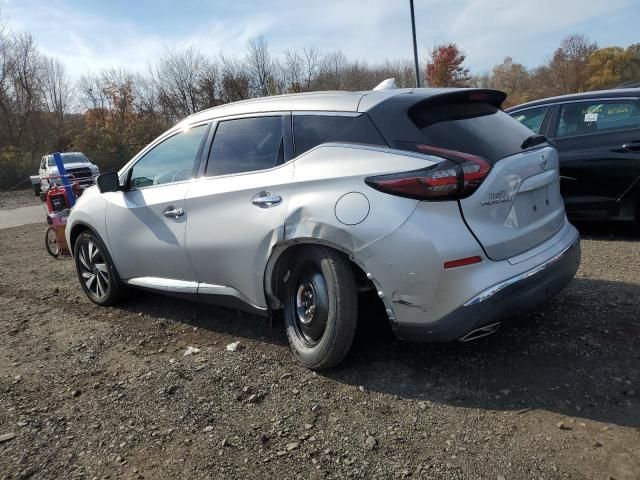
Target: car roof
613, 93
330, 101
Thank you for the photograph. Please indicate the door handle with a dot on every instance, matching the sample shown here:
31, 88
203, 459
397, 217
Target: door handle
631, 146
266, 200
173, 212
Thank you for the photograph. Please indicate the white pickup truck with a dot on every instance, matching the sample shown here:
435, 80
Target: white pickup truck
75, 163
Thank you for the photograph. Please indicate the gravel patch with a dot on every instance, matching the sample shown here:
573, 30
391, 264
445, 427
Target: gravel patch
89, 392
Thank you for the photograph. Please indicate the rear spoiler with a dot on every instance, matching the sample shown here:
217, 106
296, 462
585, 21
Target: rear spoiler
464, 95
394, 115
446, 104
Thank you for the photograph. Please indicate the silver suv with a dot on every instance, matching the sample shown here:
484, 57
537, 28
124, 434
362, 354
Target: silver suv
434, 198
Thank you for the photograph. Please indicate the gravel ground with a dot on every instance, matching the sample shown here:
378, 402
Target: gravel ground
21, 198
89, 392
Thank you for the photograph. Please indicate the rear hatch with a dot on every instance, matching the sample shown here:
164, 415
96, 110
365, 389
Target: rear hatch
518, 204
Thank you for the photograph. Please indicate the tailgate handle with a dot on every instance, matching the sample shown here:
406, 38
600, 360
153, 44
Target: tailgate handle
537, 181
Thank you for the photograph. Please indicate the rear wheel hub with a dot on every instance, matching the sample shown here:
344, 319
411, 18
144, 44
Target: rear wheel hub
311, 306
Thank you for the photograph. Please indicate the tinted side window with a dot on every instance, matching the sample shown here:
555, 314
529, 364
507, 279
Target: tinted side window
597, 116
173, 160
531, 117
245, 145
312, 130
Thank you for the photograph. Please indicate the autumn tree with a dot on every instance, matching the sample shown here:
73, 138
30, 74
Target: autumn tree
611, 66
568, 68
513, 79
445, 67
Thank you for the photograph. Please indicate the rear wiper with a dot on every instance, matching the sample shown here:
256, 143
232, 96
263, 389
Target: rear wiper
534, 140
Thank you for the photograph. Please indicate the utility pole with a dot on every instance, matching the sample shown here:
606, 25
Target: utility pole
415, 45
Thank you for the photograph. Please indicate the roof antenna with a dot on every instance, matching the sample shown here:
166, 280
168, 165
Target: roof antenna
388, 84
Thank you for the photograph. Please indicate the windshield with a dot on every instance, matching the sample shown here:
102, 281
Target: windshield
68, 158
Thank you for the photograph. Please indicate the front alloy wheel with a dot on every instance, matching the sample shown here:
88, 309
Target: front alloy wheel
96, 273
93, 269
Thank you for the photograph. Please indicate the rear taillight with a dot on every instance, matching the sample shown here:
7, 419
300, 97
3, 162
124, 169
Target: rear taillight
457, 176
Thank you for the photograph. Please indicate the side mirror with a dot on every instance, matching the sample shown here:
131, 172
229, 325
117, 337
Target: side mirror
108, 182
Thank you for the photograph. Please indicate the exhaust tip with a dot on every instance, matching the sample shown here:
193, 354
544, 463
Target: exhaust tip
483, 331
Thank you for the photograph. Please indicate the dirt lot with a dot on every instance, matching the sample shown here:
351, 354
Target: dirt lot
21, 198
88, 392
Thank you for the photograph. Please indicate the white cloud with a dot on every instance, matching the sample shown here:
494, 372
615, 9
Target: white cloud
487, 30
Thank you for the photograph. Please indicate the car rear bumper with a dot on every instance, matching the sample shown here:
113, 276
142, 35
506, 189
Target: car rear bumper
509, 298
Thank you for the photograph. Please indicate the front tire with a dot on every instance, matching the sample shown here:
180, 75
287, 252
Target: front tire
96, 272
321, 307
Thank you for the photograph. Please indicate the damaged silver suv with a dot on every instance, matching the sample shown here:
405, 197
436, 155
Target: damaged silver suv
435, 198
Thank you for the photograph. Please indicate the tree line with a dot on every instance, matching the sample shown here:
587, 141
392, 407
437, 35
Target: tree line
577, 65
111, 114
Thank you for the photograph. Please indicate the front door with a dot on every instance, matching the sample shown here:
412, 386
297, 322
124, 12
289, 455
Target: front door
146, 224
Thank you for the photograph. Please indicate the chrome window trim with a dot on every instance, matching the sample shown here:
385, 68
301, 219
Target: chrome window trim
275, 113
325, 113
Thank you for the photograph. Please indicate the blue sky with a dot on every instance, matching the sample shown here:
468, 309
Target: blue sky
89, 35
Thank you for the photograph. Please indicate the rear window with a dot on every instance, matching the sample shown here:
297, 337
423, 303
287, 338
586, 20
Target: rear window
471, 127
312, 130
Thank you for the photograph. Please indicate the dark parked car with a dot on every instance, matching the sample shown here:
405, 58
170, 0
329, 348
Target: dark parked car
598, 137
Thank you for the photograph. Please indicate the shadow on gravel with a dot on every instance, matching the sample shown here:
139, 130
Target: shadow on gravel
579, 355
206, 316
608, 231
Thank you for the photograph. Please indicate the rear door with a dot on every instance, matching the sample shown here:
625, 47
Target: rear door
236, 211
599, 146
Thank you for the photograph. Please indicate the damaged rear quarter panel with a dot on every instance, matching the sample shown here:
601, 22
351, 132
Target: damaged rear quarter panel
326, 173
322, 176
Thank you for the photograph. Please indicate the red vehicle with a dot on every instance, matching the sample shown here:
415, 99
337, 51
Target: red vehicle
57, 205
